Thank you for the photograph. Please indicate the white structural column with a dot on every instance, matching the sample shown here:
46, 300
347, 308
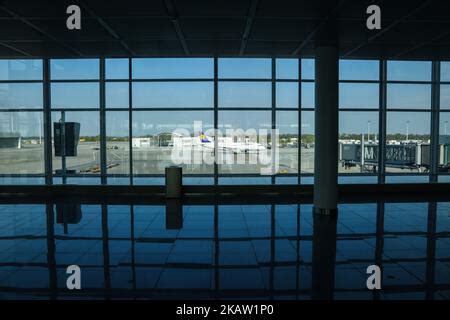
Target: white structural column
326, 129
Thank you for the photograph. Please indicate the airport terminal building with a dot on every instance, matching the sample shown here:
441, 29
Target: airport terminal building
294, 126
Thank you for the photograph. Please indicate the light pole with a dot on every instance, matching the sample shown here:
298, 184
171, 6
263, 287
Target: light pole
407, 130
368, 131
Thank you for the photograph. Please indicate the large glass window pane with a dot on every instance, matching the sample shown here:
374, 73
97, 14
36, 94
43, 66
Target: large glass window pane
409, 70
287, 125
75, 95
245, 94
287, 94
307, 142
408, 142
444, 142
308, 69
117, 94
74, 69
173, 68
358, 70
250, 68
116, 69
408, 96
117, 142
20, 95
21, 143
87, 160
287, 68
173, 95
445, 96
445, 71
21, 69
356, 129
165, 138
308, 95
242, 151
358, 95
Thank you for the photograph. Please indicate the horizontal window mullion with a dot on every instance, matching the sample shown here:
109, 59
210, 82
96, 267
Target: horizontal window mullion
244, 80
362, 109
288, 80
22, 109
406, 110
244, 108
166, 80
359, 81
20, 81
171, 109
397, 174
75, 81
408, 82
75, 109
22, 175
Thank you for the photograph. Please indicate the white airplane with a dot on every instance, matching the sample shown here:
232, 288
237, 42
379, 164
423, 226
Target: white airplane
228, 144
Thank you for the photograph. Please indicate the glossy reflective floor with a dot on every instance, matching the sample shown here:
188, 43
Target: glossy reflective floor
218, 250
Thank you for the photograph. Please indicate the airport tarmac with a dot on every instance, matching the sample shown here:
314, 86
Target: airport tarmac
30, 160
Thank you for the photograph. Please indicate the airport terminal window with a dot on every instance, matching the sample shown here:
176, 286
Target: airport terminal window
287, 125
245, 68
117, 143
408, 70
308, 95
20, 70
307, 142
87, 159
74, 69
75, 95
445, 96
307, 135
409, 99
308, 71
245, 95
244, 84
241, 152
156, 147
21, 143
359, 103
12, 96
173, 68
117, 95
444, 143
359, 70
358, 129
359, 95
116, 69
408, 142
445, 71
173, 95
21, 121
287, 69
408, 96
287, 95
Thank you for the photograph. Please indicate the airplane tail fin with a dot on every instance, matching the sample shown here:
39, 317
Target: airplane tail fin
203, 138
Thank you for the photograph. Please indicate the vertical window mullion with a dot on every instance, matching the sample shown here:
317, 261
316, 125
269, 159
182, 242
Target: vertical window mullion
299, 125
382, 122
216, 121
102, 123
274, 118
130, 117
435, 107
47, 122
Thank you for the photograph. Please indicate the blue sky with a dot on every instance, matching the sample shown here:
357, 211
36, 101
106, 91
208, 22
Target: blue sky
199, 94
